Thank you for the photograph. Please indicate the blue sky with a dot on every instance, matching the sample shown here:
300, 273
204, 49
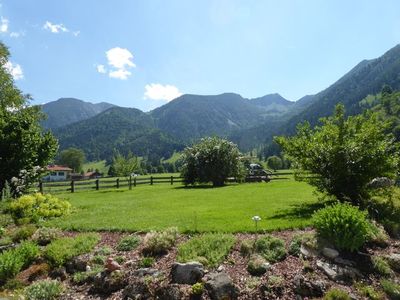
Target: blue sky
144, 53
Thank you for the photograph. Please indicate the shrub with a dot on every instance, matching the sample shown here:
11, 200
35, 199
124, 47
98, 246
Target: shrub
12, 261
368, 291
197, 288
156, 243
336, 294
2, 231
45, 235
272, 248
298, 240
213, 247
257, 265
381, 266
128, 243
119, 259
146, 262
377, 235
98, 259
37, 206
104, 251
246, 247
344, 225
59, 251
391, 289
23, 233
82, 277
44, 290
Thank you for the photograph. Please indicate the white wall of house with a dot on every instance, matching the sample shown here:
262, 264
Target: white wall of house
56, 176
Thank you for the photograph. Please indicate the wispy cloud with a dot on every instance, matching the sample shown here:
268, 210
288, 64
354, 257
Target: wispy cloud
3, 25
120, 61
157, 91
55, 28
15, 70
101, 69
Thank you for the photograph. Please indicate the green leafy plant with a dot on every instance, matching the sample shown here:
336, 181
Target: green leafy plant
146, 262
368, 291
156, 243
98, 259
336, 294
391, 289
213, 247
104, 251
37, 206
82, 277
298, 240
45, 235
23, 233
246, 247
44, 290
128, 243
342, 224
198, 289
381, 266
271, 248
59, 251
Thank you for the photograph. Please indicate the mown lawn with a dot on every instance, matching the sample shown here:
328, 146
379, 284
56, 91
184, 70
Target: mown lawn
281, 204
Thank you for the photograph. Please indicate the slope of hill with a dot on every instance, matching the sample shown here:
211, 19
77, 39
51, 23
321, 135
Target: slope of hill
124, 129
273, 104
66, 111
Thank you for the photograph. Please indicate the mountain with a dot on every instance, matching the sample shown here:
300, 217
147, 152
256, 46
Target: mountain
66, 111
273, 104
124, 129
190, 117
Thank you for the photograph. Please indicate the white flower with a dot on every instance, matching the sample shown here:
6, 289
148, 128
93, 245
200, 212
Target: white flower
256, 218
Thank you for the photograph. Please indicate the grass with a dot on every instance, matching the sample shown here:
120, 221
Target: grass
281, 204
100, 165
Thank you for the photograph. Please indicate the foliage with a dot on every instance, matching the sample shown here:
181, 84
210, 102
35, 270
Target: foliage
44, 290
124, 166
98, 259
368, 291
38, 206
128, 243
146, 262
82, 277
23, 145
271, 248
23, 233
297, 241
381, 266
391, 289
213, 247
73, 158
198, 288
104, 251
256, 265
342, 224
246, 247
45, 235
156, 243
211, 160
12, 261
337, 294
59, 251
343, 155
274, 162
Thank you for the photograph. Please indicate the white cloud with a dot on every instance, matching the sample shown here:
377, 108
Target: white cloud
101, 69
120, 74
55, 28
3, 25
76, 33
157, 91
15, 70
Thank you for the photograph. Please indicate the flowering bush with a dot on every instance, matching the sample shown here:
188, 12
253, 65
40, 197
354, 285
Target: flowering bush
37, 206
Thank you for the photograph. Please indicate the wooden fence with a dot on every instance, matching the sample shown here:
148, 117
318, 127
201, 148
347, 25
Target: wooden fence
116, 183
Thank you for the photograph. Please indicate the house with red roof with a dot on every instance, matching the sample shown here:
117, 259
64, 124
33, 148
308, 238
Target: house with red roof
57, 173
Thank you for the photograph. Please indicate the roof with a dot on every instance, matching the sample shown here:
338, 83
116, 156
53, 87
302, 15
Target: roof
58, 168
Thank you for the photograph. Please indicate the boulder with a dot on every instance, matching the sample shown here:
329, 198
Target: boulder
394, 261
77, 264
330, 253
187, 273
109, 282
220, 286
59, 273
309, 288
169, 292
307, 251
34, 272
137, 290
339, 273
345, 262
257, 265
146, 272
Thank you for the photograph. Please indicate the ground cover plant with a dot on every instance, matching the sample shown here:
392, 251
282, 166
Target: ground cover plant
128, 243
159, 242
209, 249
281, 204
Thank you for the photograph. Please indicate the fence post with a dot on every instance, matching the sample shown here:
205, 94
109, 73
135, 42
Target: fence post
97, 184
134, 181
172, 180
151, 180
130, 182
117, 183
72, 186
41, 186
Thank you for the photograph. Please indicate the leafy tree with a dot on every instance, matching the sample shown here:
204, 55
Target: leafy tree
211, 160
125, 166
73, 158
274, 162
342, 155
24, 148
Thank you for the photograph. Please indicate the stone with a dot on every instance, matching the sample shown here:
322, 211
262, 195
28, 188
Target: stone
381, 182
220, 286
309, 288
77, 264
394, 261
220, 268
59, 273
109, 282
330, 253
257, 265
339, 273
169, 292
137, 290
111, 265
187, 273
146, 272
307, 251
346, 262
34, 272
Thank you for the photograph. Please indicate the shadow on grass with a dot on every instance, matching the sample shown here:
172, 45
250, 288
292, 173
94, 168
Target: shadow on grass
112, 191
299, 211
200, 186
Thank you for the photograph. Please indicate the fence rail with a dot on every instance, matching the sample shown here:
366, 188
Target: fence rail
117, 183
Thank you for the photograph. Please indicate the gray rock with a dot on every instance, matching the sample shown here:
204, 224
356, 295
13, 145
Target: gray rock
257, 265
169, 292
137, 290
345, 262
309, 288
109, 282
394, 261
77, 264
307, 251
381, 182
330, 253
339, 273
146, 272
59, 273
187, 273
220, 286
